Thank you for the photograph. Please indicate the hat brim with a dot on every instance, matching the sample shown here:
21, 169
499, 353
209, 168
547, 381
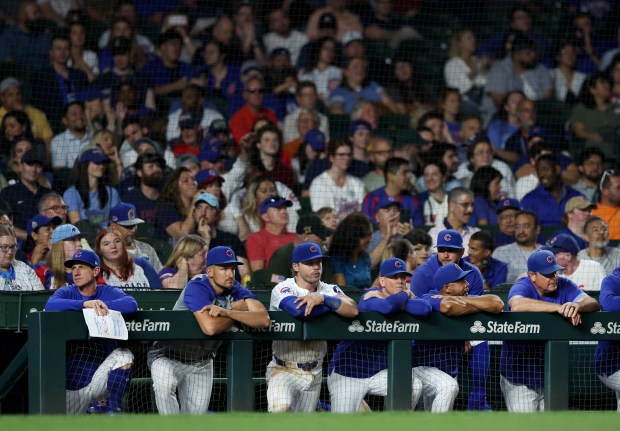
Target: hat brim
132, 222
438, 246
461, 276
236, 262
323, 256
79, 236
389, 274
70, 263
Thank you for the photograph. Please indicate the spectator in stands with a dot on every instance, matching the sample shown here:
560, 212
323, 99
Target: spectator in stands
118, 268
460, 210
356, 86
516, 149
26, 42
380, 150
443, 152
24, 195
480, 154
421, 243
398, 187
103, 140
465, 71
266, 155
542, 290
65, 241
220, 76
174, 216
137, 142
254, 95
506, 211
519, 71
261, 245
613, 74
307, 127
567, 81
53, 205
66, 146
11, 170
192, 101
124, 221
306, 97
15, 275
526, 228
187, 260
191, 135
587, 275
449, 105
11, 98
38, 244
594, 119
312, 148
589, 46
140, 50
596, 234
549, 199
485, 184
608, 207
505, 122
91, 197
576, 213
435, 197
282, 36
481, 247
590, 163
246, 44
387, 25
349, 259
405, 87
335, 187
321, 67
170, 21
81, 58
390, 227
59, 84
345, 20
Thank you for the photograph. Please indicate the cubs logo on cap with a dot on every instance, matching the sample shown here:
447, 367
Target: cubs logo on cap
125, 215
543, 262
449, 239
207, 176
393, 266
64, 232
549, 259
504, 204
306, 251
84, 256
222, 255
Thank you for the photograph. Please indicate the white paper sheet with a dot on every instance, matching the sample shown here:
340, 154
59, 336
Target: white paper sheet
111, 326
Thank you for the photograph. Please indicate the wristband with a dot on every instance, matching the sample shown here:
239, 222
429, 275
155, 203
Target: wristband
332, 302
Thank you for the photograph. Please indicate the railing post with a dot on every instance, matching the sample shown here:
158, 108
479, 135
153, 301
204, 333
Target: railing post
556, 375
399, 376
240, 386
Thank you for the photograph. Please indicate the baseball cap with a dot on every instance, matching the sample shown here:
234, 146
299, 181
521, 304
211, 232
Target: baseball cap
274, 202
521, 42
351, 36
65, 231
144, 140
188, 120
41, 220
276, 52
450, 239
83, 256
387, 202
207, 198
169, 35
562, 242
579, 203
184, 159
249, 65
211, 149
359, 125
218, 126
306, 251
125, 215
316, 139
94, 156
309, 224
9, 83
504, 204
207, 176
32, 156
543, 261
221, 255
120, 45
448, 274
393, 266
328, 20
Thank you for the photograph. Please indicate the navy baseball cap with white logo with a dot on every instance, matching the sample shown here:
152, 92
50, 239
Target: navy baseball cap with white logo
393, 266
307, 251
274, 202
448, 274
543, 261
222, 256
563, 242
506, 203
125, 215
83, 256
41, 220
207, 176
449, 238
387, 202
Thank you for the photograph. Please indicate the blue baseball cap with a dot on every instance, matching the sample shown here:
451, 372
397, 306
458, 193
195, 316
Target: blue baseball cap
211, 149
188, 120
562, 242
41, 220
207, 176
207, 198
316, 139
393, 266
449, 238
125, 215
279, 51
359, 125
543, 261
504, 204
94, 156
274, 202
387, 202
448, 274
84, 256
65, 231
221, 256
307, 251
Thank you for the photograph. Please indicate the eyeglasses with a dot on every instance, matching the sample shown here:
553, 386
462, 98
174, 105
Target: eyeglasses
57, 208
5, 247
607, 173
465, 204
343, 154
256, 90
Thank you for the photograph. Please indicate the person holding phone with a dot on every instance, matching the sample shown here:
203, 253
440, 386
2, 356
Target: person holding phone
394, 223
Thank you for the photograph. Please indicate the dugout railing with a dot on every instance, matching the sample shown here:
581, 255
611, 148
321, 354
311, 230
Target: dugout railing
49, 332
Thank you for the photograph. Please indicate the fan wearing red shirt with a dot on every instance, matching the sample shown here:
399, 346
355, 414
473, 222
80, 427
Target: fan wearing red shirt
254, 95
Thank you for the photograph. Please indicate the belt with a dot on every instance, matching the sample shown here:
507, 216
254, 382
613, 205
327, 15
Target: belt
305, 366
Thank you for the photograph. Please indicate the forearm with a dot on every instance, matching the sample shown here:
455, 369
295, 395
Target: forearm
486, 303
62, 304
376, 255
527, 304
212, 325
389, 305
254, 319
348, 307
588, 305
418, 307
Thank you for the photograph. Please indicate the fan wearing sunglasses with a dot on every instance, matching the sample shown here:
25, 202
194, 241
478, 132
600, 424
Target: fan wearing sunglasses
609, 202
254, 96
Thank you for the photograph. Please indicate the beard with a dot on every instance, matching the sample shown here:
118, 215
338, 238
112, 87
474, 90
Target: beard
153, 181
599, 244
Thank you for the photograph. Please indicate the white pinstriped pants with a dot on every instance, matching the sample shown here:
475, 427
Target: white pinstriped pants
438, 389
520, 398
292, 389
613, 383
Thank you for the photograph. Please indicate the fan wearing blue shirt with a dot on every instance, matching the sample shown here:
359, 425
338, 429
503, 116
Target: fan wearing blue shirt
522, 362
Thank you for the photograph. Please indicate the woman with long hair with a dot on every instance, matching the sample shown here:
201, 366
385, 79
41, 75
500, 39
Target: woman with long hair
103, 140
349, 259
464, 70
139, 47
405, 87
506, 121
81, 58
486, 186
187, 260
65, 240
221, 78
174, 215
449, 105
91, 197
39, 241
567, 81
16, 126
321, 66
436, 201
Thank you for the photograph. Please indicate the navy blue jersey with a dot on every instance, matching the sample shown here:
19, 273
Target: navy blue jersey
607, 355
